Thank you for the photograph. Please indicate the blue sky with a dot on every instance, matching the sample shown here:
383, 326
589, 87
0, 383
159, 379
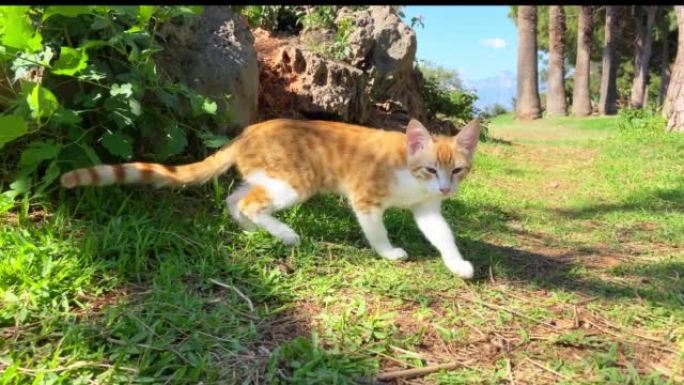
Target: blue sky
477, 41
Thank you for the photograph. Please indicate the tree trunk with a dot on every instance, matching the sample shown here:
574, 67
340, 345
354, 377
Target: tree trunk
608, 98
555, 91
527, 104
664, 59
642, 55
581, 98
673, 110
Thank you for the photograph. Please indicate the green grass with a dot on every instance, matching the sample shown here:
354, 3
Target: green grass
575, 229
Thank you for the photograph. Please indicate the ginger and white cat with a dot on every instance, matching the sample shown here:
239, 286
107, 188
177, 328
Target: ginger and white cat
284, 162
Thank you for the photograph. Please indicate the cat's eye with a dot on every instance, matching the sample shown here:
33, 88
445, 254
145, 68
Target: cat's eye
457, 170
431, 170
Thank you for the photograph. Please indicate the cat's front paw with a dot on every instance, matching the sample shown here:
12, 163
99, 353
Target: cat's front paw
290, 238
394, 254
460, 267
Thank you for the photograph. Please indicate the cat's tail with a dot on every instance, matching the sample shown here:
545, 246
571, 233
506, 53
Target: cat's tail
152, 173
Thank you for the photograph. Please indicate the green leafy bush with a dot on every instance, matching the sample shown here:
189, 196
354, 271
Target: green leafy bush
273, 17
76, 81
322, 16
444, 97
640, 120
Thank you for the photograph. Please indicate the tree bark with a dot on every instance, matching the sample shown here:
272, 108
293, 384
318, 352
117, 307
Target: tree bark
664, 59
642, 55
673, 110
608, 95
555, 91
581, 98
527, 104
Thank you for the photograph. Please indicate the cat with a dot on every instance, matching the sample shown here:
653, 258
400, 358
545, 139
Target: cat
284, 162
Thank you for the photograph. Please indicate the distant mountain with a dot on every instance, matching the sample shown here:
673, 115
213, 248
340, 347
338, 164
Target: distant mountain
499, 89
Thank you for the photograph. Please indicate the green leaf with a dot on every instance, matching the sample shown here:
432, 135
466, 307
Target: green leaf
94, 44
51, 173
91, 154
145, 12
37, 152
10, 298
70, 62
135, 107
11, 127
213, 140
66, 117
42, 102
65, 10
20, 186
16, 29
174, 141
209, 106
118, 144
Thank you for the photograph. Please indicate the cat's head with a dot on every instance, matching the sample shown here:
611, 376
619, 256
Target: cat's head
441, 162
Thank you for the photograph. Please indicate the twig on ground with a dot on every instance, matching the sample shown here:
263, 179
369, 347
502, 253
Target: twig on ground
75, 365
418, 371
237, 291
540, 366
667, 372
511, 379
516, 313
655, 346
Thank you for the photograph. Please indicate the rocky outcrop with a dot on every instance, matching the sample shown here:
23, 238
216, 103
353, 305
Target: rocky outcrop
324, 88
214, 54
376, 85
384, 46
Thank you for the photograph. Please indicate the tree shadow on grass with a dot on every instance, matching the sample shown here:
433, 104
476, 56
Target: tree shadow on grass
655, 201
549, 267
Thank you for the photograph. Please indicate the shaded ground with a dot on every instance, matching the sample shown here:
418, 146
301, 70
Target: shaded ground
575, 229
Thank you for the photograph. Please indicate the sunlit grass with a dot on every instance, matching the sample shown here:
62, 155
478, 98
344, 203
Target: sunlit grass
575, 229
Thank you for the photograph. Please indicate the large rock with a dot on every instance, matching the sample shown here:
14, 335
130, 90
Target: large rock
382, 44
323, 88
214, 54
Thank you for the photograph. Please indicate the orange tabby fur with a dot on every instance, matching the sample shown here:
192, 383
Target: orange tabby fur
310, 157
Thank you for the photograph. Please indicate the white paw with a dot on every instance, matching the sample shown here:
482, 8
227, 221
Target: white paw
395, 254
290, 238
460, 267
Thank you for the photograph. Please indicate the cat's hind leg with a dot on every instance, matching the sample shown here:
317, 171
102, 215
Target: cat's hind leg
265, 196
232, 202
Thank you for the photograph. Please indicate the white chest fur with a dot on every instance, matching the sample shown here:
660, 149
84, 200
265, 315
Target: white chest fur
406, 191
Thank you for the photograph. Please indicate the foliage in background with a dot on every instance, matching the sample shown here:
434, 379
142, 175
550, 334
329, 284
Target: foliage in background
640, 120
75, 80
273, 17
322, 16
444, 96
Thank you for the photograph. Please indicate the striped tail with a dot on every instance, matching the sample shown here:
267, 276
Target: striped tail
152, 173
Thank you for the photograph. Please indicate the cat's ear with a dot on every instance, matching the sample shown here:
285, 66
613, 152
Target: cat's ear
417, 136
468, 136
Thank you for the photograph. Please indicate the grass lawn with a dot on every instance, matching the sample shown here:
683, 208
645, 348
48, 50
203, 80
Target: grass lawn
576, 230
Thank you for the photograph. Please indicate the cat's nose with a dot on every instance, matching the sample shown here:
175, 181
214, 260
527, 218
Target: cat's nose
445, 190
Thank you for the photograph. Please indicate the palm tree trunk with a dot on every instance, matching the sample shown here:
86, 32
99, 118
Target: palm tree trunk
664, 59
527, 103
642, 56
581, 98
555, 92
608, 94
673, 110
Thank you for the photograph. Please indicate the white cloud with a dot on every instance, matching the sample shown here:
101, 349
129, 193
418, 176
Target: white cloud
494, 42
